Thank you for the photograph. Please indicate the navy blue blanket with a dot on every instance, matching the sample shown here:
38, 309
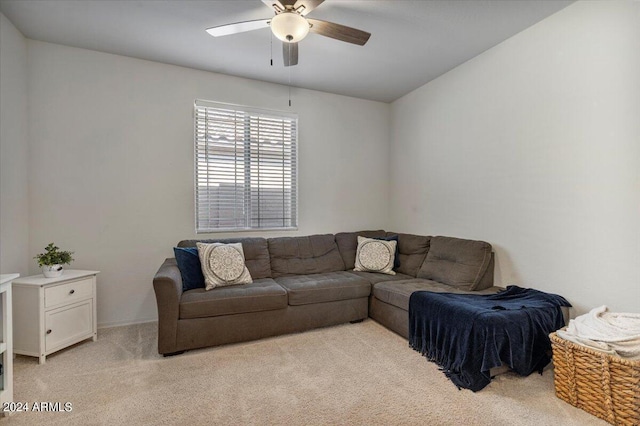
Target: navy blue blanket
468, 334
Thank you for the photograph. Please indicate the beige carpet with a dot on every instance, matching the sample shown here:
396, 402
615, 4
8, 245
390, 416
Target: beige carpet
360, 374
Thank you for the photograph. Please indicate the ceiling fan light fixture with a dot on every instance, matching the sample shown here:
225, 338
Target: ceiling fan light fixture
289, 27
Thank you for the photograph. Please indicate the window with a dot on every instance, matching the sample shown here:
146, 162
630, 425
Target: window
246, 168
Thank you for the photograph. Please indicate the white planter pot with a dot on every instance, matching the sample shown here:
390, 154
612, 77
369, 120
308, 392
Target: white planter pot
52, 271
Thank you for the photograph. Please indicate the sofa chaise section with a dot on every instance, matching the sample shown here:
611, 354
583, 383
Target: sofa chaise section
389, 304
458, 265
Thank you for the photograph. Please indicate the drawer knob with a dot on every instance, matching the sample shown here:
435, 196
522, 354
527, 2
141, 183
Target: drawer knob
72, 291
49, 331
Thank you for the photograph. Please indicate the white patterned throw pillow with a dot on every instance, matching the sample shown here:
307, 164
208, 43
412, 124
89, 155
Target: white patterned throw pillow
375, 255
223, 264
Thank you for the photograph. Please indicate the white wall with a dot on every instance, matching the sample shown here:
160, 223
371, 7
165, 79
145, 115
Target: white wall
534, 146
14, 195
111, 163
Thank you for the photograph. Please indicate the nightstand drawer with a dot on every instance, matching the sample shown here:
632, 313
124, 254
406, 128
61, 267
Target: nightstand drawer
68, 293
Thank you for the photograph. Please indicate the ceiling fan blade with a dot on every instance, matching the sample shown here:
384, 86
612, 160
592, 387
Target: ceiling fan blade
290, 54
309, 5
339, 32
238, 27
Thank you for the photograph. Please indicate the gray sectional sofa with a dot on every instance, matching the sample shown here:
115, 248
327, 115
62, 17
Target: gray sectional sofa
301, 283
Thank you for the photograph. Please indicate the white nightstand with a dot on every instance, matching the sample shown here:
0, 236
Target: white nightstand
50, 314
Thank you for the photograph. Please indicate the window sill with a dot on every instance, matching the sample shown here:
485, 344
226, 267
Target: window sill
230, 230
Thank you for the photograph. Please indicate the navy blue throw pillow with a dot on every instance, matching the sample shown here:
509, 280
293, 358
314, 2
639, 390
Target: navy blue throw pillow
190, 267
396, 258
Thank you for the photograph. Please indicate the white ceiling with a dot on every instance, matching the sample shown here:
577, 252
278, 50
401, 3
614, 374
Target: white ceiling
412, 42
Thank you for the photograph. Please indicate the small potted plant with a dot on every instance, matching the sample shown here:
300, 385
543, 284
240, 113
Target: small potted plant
52, 259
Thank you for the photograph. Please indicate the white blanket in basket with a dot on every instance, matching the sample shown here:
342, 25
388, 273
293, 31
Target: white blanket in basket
610, 332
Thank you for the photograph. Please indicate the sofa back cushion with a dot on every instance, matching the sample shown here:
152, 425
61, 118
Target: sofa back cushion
315, 254
348, 244
412, 251
256, 253
456, 262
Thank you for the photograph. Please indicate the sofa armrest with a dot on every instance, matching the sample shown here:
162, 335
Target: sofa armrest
167, 284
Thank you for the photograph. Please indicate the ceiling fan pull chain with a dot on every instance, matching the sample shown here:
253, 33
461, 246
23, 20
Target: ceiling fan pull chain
289, 86
271, 48
290, 75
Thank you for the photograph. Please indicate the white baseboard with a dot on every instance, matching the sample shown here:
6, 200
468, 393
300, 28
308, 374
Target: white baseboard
125, 322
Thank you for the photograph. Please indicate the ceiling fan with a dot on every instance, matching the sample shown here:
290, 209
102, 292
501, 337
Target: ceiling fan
291, 25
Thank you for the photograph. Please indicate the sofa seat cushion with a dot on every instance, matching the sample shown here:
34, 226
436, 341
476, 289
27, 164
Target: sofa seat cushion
374, 277
261, 295
315, 254
329, 287
397, 293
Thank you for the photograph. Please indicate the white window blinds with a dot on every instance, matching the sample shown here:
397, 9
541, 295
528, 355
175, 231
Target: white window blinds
246, 168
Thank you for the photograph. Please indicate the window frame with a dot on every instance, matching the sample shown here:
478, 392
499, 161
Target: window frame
249, 111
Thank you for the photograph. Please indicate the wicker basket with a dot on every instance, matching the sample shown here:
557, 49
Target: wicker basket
604, 385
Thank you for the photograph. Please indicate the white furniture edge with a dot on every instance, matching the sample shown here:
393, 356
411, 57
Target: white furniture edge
41, 280
6, 346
